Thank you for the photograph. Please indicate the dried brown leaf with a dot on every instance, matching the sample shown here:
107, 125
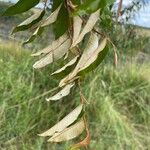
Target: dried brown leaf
55, 44
69, 133
65, 122
52, 18
88, 27
64, 92
54, 55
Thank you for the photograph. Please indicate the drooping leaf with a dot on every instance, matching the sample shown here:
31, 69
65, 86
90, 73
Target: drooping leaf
92, 45
64, 92
65, 122
20, 7
69, 133
53, 55
28, 23
88, 27
90, 6
62, 23
55, 44
77, 26
36, 33
96, 58
52, 18
66, 69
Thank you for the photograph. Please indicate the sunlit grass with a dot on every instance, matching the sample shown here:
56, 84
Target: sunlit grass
118, 111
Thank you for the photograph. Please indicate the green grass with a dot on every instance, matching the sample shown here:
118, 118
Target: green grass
118, 111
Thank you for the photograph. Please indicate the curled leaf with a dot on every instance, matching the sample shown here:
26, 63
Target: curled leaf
55, 44
66, 69
36, 33
88, 27
94, 58
77, 26
64, 92
52, 18
28, 23
69, 133
86, 57
53, 55
65, 122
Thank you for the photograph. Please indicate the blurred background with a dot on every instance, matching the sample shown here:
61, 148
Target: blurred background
119, 96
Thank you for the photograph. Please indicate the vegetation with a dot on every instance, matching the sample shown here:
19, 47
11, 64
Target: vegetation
82, 43
118, 114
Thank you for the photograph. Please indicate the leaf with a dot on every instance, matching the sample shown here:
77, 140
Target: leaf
28, 23
88, 53
88, 27
85, 58
64, 92
53, 55
62, 23
77, 26
52, 18
83, 143
20, 7
65, 122
96, 58
90, 6
36, 33
55, 44
66, 69
69, 133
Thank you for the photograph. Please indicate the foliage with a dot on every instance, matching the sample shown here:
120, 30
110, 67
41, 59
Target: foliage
118, 113
78, 38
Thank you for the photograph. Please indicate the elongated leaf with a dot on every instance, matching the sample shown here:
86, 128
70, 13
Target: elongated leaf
36, 33
95, 59
77, 26
53, 55
55, 44
69, 133
20, 7
88, 27
87, 54
62, 23
28, 23
90, 6
64, 92
66, 69
65, 122
52, 18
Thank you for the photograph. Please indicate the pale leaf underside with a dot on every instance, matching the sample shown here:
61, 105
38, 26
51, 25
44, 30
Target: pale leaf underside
55, 44
52, 18
77, 26
88, 27
28, 23
69, 133
91, 47
53, 55
64, 92
68, 65
65, 122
